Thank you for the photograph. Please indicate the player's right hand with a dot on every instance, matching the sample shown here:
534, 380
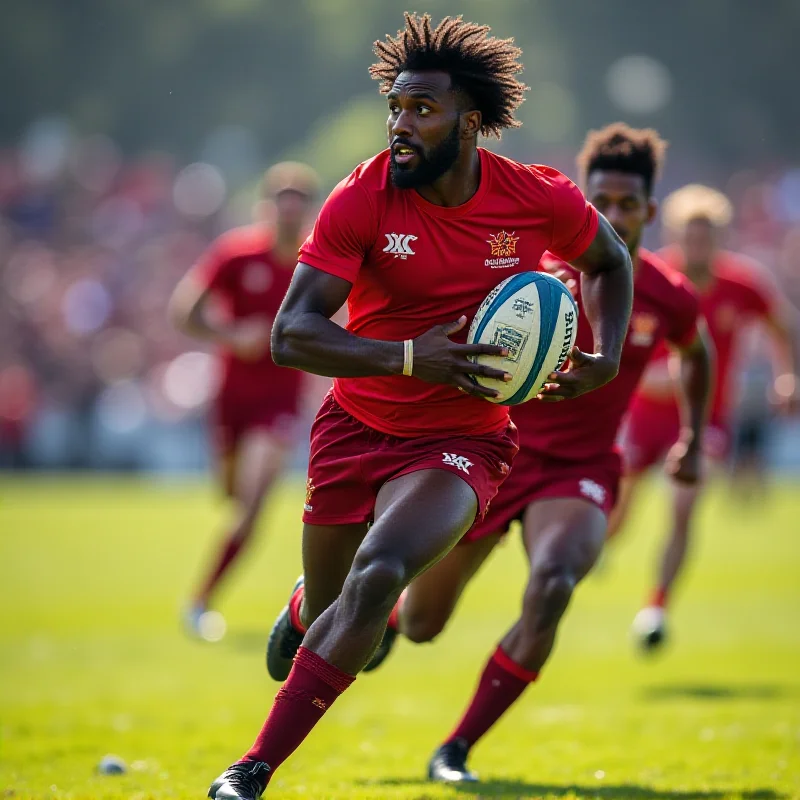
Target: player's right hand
249, 339
437, 359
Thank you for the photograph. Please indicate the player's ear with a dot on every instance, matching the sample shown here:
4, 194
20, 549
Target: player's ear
471, 122
652, 209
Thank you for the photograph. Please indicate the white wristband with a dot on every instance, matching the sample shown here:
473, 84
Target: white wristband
408, 357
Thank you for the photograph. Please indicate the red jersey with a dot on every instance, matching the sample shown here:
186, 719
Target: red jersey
414, 265
240, 269
736, 295
665, 307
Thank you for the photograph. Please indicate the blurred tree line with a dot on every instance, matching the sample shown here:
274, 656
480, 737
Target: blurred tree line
164, 74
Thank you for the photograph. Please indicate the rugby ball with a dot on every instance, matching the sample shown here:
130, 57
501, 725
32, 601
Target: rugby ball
534, 315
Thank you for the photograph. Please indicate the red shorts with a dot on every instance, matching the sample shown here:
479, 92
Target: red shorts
349, 462
537, 476
651, 428
232, 419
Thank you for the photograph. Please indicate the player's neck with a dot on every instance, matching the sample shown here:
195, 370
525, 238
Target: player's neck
285, 250
700, 275
458, 184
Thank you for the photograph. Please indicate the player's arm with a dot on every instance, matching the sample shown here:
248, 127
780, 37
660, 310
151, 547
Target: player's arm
693, 366
189, 311
782, 323
607, 293
305, 337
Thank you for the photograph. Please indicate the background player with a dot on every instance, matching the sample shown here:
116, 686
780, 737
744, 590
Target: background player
565, 476
230, 298
405, 438
732, 293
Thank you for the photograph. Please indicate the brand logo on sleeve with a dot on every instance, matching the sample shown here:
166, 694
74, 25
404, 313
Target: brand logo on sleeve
399, 244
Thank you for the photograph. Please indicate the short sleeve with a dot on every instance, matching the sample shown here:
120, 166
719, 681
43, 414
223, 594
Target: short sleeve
211, 271
760, 297
575, 220
684, 315
343, 233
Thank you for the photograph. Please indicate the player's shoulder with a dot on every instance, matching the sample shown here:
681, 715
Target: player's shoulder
660, 280
516, 176
245, 241
364, 190
370, 176
741, 270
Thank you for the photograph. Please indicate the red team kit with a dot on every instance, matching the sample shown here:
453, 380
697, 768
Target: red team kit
243, 273
414, 265
735, 295
567, 449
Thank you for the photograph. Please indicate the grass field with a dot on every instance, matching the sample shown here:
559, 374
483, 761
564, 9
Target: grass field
92, 661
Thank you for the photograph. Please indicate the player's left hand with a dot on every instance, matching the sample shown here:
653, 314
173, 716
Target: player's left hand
684, 462
587, 371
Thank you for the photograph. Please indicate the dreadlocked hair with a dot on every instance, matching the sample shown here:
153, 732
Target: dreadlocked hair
620, 148
481, 66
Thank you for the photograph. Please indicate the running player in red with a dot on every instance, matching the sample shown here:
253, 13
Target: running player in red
565, 477
733, 294
244, 277
406, 441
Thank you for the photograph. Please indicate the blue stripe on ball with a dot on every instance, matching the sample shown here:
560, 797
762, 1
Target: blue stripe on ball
549, 305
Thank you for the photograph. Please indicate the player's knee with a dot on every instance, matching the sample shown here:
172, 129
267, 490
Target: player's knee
422, 627
377, 580
548, 593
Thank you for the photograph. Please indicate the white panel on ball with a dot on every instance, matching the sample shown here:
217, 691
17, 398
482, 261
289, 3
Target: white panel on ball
534, 315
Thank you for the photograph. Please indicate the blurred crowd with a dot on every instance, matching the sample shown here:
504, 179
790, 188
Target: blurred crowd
91, 246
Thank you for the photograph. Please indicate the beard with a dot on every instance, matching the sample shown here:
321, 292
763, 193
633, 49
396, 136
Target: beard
431, 166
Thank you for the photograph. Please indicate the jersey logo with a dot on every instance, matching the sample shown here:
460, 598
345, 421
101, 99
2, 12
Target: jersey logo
399, 244
503, 245
459, 462
643, 328
593, 490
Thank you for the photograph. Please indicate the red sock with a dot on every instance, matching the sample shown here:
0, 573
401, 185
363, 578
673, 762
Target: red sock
659, 597
312, 686
501, 683
294, 609
394, 617
225, 558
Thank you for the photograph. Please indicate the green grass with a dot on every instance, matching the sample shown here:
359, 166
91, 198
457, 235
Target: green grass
92, 661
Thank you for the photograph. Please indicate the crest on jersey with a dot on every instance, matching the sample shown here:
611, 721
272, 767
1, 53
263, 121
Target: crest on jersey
643, 328
503, 244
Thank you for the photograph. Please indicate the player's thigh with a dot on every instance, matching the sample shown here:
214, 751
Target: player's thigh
563, 535
432, 596
260, 458
328, 552
419, 517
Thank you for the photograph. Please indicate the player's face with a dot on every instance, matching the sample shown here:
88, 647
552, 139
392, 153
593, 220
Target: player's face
291, 210
698, 242
622, 199
424, 128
